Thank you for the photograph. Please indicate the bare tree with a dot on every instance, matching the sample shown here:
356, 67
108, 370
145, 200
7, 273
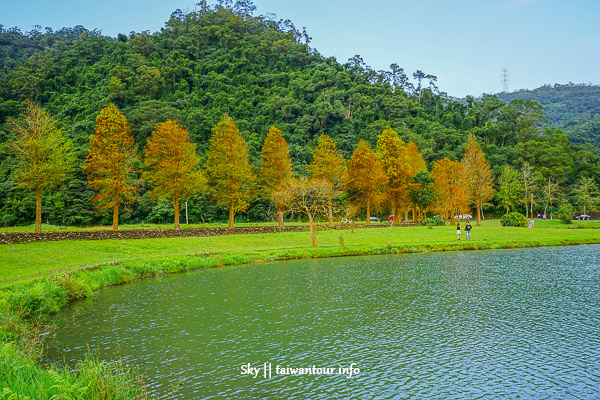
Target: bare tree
305, 196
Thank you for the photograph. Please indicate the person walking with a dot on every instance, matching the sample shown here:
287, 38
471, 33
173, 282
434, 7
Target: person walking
468, 231
458, 230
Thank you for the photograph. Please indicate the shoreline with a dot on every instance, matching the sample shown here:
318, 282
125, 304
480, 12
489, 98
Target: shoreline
27, 304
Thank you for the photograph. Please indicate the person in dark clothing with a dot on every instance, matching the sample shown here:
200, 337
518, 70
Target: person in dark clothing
458, 230
468, 231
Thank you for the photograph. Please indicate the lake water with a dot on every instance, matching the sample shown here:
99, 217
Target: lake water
519, 323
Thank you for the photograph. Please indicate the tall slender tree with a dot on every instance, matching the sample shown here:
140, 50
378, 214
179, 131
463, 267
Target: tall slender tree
228, 169
479, 177
328, 165
275, 169
390, 149
586, 192
365, 178
549, 194
414, 164
510, 190
172, 164
43, 156
529, 180
449, 184
110, 162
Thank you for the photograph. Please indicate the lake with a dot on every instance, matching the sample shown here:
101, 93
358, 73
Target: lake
480, 324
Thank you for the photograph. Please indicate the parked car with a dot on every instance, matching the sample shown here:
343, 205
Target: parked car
464, 216
582, 217
374, 219
391, 218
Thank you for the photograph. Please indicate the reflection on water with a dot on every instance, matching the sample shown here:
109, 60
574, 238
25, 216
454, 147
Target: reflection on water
510, 323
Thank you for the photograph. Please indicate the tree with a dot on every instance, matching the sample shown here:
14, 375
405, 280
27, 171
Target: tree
306, 196
510, 190
414, 164
390, 149
172, 162
43, 156
228, 170
549, 194
450, 196
110, 162
328, 165
276, 168
529, 184
585, 192
421, 192
479, 177
365, 178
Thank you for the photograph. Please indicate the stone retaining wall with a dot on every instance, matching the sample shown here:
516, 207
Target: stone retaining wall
25, 237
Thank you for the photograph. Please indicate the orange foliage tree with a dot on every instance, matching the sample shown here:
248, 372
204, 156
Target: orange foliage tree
479, 176
43, 156
401, 163
365, 178
276, 168
110, 162
172, 164
414, 164
449, 184
390, 149
328, 165
228, 169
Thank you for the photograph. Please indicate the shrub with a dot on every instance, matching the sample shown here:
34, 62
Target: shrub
435, 221
513, 219
565, 213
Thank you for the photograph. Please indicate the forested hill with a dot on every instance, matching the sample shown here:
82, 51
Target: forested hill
572, 108
261, 72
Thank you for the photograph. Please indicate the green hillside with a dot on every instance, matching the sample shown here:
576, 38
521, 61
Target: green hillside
261, 72
573, 108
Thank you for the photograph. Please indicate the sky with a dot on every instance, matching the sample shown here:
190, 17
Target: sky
465, 43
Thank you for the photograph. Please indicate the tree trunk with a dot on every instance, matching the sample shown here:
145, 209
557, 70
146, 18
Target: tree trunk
38, 210
329, 211
311, 225
414, 214
116, 213
406, 214
368, 213
280, 218
231, 214
478, 214
176, 210
531, 208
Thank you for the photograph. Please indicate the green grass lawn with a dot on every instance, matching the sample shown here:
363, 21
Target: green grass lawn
36, 260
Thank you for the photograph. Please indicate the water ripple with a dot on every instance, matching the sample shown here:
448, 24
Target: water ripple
468, 325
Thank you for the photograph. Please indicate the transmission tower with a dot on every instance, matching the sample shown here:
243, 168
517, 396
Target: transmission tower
504, 77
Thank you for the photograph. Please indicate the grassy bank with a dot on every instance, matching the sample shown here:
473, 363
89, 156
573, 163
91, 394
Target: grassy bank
38, 279
37, 260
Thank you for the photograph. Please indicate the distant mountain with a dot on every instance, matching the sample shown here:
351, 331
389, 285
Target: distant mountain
573, 108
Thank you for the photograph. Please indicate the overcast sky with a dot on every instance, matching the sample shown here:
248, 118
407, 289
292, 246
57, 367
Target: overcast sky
465, 43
